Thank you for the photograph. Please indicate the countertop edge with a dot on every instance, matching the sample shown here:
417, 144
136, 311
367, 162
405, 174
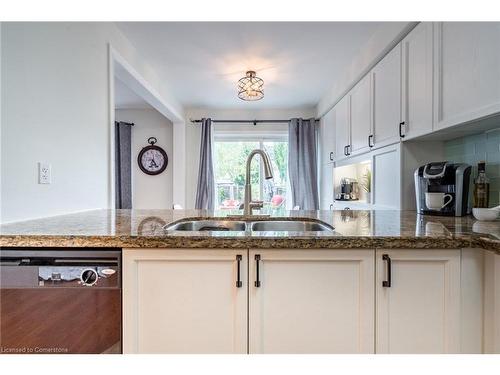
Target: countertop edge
178, 242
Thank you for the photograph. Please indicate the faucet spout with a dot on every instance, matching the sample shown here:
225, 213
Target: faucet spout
268, 174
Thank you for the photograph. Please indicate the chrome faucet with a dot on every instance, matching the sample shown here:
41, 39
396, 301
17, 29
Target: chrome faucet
268, 173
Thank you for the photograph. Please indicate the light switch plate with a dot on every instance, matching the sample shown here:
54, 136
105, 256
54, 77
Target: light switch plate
44, 172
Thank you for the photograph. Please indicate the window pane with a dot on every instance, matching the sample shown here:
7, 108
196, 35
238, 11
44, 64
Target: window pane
230, 168
275, 190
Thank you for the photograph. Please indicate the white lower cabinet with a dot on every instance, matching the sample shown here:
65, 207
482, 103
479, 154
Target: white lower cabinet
491, 334
311, 301
184, 301
418, 311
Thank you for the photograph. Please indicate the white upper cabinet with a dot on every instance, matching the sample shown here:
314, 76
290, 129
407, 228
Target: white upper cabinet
418, 301
311, 301
467, 72
417, 71
361, 116
342, 126
386, 81
184, 301
327, 137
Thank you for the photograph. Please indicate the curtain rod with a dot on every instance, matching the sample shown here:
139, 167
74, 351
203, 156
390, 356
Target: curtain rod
255, 122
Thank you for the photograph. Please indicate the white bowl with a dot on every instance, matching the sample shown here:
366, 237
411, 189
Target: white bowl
485, 214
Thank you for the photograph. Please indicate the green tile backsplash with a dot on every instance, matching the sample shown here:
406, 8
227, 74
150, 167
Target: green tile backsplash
471, 150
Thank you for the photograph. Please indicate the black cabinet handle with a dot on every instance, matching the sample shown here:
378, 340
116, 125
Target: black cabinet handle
387, 283
401, 124
257, 273
348, 147
239, 284
370, 138
331, 156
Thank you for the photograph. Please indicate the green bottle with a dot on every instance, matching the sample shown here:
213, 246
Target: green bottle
481, 187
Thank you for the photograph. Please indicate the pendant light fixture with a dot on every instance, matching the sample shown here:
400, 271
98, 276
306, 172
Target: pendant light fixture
250, 87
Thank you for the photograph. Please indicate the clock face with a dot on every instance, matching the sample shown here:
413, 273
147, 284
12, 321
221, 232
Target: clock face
153, 160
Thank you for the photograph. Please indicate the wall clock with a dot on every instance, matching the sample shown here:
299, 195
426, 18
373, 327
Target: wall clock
152, 159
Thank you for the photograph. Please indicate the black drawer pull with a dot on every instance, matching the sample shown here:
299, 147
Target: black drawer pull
370, 139
257, 273
401, 124
239, 284
331, 156
347, 151
387, 283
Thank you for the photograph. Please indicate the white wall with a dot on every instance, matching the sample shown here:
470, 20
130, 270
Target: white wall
56, 109
149, 191
193, 133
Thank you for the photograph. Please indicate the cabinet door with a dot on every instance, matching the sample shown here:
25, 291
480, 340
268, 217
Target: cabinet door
361, 116
326, 187
467, 71
184, 301
312, 301
386, 179
342, 126
327, 137
386, 81
417, 80
419, 312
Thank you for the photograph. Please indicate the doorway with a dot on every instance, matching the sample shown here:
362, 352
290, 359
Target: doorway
139, 131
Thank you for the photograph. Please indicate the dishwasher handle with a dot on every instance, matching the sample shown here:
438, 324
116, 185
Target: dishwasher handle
10, 262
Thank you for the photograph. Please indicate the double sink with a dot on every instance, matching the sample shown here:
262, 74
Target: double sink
269, 225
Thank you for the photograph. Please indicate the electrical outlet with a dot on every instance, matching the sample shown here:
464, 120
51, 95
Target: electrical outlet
44, 173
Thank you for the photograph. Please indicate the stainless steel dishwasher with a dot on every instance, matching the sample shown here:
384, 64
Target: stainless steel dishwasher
60, 301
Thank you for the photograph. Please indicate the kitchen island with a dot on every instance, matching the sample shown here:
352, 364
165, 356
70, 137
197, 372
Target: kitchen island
382, 282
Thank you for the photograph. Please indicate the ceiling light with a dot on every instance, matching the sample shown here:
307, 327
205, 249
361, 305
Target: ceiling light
250, 87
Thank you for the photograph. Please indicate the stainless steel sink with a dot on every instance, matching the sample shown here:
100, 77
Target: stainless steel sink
218, 225
207, 225
289, 226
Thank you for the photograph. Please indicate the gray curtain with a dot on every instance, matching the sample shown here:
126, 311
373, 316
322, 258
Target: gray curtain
123, 166
302, 163
205, 192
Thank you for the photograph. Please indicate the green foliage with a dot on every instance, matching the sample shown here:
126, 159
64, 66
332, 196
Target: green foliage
280, 158
230, 165
222, 195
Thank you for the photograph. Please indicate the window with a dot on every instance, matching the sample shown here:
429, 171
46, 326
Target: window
230, 156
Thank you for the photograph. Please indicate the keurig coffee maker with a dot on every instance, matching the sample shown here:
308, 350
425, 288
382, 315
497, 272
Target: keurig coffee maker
442, 188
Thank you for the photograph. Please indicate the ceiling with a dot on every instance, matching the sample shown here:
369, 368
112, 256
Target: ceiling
202, 61
125, 98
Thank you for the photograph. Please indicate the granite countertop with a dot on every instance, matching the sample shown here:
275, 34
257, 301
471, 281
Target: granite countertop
353, 229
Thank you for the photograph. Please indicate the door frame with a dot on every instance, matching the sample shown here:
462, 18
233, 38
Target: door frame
119, 67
